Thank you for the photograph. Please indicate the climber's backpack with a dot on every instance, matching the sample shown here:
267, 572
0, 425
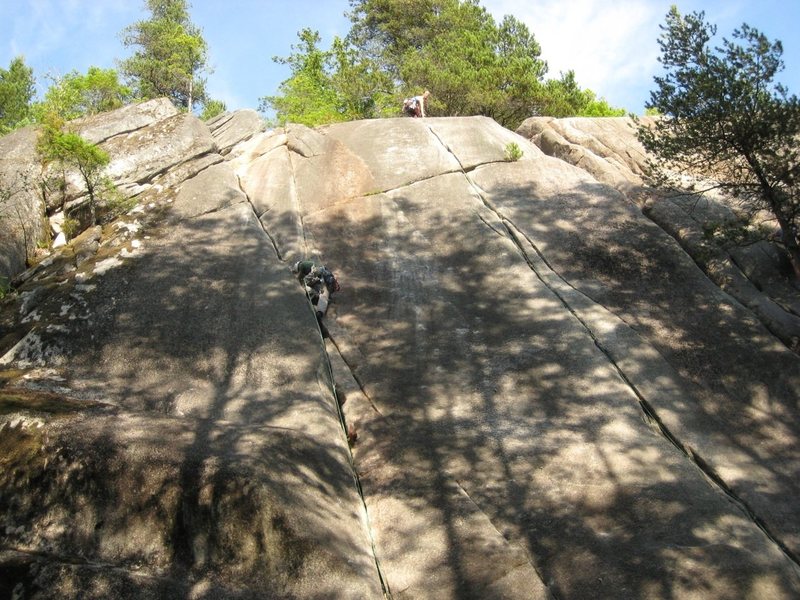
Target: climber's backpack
330, 280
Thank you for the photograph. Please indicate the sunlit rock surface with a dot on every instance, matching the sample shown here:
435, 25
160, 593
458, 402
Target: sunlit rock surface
527, 387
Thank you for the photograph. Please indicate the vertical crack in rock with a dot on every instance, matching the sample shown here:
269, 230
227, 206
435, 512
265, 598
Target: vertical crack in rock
650, 413
356, 479
355, 377
342, 423
263, 227
297, 208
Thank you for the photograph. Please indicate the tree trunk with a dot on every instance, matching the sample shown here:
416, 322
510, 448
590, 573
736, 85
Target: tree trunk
794, 258
777, 204
789, 239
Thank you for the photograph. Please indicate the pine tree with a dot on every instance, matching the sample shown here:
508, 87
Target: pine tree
170, 57
16, 91
725, 118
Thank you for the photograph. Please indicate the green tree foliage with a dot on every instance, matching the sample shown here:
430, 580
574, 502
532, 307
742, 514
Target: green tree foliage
469, 62
75, 95
70, 150
455, 49
212, 108
725, 118
171, 55
327, 86
363, 91
16, 92
307, 96
564, 98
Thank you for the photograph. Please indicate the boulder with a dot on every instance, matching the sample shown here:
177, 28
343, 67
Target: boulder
230, 129
141, 155
99, 128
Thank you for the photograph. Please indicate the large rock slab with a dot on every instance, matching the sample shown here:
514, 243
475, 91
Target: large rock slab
607, 147
101, 127
542, 394
139, 156
757, 275
295, 171
22, 211
168, 424
652, 285
508, 366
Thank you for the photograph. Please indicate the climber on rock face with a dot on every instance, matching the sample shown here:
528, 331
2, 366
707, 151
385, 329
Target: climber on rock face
415, 106
319, 283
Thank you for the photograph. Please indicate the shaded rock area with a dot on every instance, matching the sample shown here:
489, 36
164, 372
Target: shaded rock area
527, 388
167, 419
21, 206
756, 275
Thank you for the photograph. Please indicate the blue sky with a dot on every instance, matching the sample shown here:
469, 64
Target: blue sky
611, 45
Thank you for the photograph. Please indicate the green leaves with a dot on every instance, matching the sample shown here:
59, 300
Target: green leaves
328, 86
171, 55
70, 151
16, 91
307, 97
724, 117
213, 108
76, 95
471, 64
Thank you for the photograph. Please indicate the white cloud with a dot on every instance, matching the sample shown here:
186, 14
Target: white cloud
611, 46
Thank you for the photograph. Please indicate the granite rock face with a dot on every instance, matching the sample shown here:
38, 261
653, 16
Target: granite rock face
21, 207
168, 426
755, 275
526, 387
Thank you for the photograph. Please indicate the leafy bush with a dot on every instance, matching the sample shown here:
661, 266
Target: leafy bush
513, 152
71, 151
75, 95
211, 109
70, 227
5, 287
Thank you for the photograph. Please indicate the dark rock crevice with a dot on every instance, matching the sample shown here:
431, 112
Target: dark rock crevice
354, 375
263, 225
351, 435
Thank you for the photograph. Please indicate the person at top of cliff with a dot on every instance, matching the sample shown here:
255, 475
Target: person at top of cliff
319, 283
415, 106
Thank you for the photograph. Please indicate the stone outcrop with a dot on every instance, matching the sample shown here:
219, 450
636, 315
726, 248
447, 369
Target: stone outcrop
756, 275
167, 423
526, 388
21, 206
231, 129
